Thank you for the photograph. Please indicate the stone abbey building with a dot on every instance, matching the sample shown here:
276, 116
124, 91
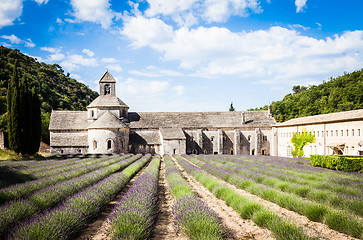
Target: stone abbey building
108, 127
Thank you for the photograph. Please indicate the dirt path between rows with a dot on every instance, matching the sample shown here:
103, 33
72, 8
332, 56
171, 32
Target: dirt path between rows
164, 224
314, 229
99, 228
235, 226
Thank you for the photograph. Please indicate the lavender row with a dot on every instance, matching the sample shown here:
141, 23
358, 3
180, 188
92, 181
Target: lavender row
191, 214
134, 215
350, 202
23, 189
71, 216
18, 210
339, 220
247, 208
67, 166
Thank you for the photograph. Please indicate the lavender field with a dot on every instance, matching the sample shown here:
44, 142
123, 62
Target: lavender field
178, 197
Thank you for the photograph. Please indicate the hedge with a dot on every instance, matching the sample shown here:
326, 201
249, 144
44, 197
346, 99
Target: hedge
346, 163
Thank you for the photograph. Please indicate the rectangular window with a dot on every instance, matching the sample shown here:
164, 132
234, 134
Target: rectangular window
341, 132
289, 151
317, 133
347, 132
358, 132
353, 132
327, 133
331, 133
336, 133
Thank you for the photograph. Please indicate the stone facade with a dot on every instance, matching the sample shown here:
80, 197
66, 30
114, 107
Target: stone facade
108, 127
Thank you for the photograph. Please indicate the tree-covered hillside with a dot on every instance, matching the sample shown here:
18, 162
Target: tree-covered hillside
342, 93
56, 90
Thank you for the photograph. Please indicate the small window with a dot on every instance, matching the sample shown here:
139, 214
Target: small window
174, 151
61, 150
264, 138
358, 132
253, 152
347, 132
212, 138
94, 144
341, 133
107, 89
109, 144
232, 152
352, 132
331, 133
92, 113
249, 137
79, 150
317, 133
336, 133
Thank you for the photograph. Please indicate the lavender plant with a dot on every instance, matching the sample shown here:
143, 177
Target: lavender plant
190, 213
69, 217
135, 213
52, 195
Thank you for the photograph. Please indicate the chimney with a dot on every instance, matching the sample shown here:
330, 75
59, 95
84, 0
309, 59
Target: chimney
269, 114
243, 117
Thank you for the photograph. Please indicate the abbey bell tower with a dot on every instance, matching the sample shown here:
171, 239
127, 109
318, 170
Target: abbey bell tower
107, 84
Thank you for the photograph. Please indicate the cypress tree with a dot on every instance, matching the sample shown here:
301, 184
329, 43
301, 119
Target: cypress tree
13, 101
25, 115
36, 122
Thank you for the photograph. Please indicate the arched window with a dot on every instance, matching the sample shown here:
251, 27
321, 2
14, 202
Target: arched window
195, 151
92, 113
249, 137
109, 144
232, 151
212, 138
253, 152
94, 144
107, 89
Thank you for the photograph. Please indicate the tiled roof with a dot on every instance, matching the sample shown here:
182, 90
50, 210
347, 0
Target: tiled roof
199, 119
69, 140
325, 118
68, 120
145, 137
172, 133
107, 120
107, 77
107, 101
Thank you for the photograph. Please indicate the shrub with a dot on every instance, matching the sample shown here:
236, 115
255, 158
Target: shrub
338, 162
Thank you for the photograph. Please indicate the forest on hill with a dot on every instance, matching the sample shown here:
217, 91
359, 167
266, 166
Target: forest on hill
342, 93
56, 89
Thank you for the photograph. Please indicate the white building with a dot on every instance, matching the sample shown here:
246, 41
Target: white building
335, 133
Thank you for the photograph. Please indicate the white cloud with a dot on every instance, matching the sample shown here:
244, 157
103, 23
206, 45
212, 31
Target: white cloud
73, 61
187, 12
97, 11
88, 52
179, 89
109, 60
114, 67
41, 1
9, 11
152, 71
50, 49
277, 54
15, 40
300, 5
56, 57
12, 38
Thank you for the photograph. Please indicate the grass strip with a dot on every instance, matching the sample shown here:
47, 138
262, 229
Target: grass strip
134, 215
72, 215
191, 214
246, 207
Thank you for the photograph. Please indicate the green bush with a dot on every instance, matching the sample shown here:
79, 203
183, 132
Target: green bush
346, 163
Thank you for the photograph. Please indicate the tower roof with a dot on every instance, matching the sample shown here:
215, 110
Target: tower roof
107, 101
107, 78
107, 120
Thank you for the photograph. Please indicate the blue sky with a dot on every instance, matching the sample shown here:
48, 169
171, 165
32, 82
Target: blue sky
191, 55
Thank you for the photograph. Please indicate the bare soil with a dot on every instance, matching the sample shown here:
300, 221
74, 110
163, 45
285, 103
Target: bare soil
314, 229
235, 227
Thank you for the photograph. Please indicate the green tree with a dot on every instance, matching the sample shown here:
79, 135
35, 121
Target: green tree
13, 113
300, 140
231, 108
